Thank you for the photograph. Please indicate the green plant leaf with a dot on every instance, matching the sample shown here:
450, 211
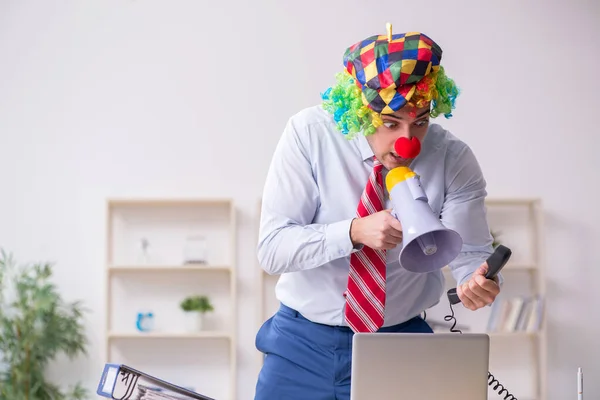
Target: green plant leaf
36, 326
196, 303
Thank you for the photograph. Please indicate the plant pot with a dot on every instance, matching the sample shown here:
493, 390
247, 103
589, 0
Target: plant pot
193, 321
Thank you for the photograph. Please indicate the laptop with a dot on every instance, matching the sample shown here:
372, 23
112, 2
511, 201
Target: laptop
417, 366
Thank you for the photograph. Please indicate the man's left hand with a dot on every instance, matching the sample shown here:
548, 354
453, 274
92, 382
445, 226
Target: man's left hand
478, 291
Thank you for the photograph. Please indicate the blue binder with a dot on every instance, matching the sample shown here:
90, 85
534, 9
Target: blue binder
129, 378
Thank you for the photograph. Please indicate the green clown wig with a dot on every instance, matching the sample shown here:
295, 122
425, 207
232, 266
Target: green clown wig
385, 73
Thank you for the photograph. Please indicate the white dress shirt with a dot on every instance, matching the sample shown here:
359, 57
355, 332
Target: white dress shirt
311, 194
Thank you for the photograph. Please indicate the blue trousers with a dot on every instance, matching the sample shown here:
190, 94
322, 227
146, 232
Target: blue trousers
304, 360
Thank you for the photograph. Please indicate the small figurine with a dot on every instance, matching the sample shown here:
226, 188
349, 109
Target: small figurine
144, 257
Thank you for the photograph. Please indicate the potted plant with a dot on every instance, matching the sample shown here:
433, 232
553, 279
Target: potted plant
194, 308
496, 241
36, 326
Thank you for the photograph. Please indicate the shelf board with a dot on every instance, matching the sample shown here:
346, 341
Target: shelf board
170, 335
520, 267
516, 334
166, 202
512, 334
499, 201
169, 268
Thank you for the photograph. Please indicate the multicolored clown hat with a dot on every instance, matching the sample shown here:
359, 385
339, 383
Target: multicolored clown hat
384, 73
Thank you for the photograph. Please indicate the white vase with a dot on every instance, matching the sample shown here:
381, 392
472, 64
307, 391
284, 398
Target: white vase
194, 251
193, 321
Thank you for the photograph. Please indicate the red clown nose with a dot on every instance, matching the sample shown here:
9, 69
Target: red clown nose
407, 148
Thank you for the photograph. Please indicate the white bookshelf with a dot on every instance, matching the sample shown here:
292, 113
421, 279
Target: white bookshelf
203, 360
518, 359
518, 356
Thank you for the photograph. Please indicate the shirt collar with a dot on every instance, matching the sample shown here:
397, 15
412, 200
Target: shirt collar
363, 146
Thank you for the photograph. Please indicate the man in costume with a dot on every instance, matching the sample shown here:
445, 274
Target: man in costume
326, 227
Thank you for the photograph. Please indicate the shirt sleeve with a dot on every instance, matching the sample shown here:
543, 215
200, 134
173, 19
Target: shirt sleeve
464, 211
288, 239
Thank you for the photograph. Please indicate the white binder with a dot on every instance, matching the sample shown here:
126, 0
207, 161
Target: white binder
121, 382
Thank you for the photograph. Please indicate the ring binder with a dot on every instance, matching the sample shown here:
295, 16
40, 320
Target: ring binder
130, 378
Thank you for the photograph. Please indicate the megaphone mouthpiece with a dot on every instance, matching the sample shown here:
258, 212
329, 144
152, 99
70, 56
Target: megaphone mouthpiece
397, 175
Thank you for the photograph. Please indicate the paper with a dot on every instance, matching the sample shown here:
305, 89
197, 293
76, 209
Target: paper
149, 393
111, 377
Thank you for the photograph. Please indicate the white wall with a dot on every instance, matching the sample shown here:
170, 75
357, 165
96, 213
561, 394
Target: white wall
153, 98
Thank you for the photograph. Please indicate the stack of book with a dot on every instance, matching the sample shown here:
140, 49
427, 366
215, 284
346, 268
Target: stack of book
517, 314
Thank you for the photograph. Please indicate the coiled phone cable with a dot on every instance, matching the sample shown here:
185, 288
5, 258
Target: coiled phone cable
492, 381
495, 263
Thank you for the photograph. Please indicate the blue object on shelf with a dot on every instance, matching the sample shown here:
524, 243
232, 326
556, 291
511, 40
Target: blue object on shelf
144, 321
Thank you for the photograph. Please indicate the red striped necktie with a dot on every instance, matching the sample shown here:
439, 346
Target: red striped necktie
365, 296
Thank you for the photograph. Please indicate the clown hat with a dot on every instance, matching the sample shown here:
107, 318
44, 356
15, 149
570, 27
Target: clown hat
384, 73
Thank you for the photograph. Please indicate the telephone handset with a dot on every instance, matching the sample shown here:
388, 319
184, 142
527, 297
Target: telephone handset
495, 263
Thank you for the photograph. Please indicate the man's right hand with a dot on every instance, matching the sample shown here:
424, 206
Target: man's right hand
379, 231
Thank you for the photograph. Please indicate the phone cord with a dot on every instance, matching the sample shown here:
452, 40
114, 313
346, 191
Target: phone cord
492, 381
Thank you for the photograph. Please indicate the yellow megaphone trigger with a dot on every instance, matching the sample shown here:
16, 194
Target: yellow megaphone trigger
397, 175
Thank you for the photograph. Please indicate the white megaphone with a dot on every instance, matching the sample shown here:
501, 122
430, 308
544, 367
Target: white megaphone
427, 245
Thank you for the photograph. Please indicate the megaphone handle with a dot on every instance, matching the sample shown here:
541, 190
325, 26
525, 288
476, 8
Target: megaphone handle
495, 262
